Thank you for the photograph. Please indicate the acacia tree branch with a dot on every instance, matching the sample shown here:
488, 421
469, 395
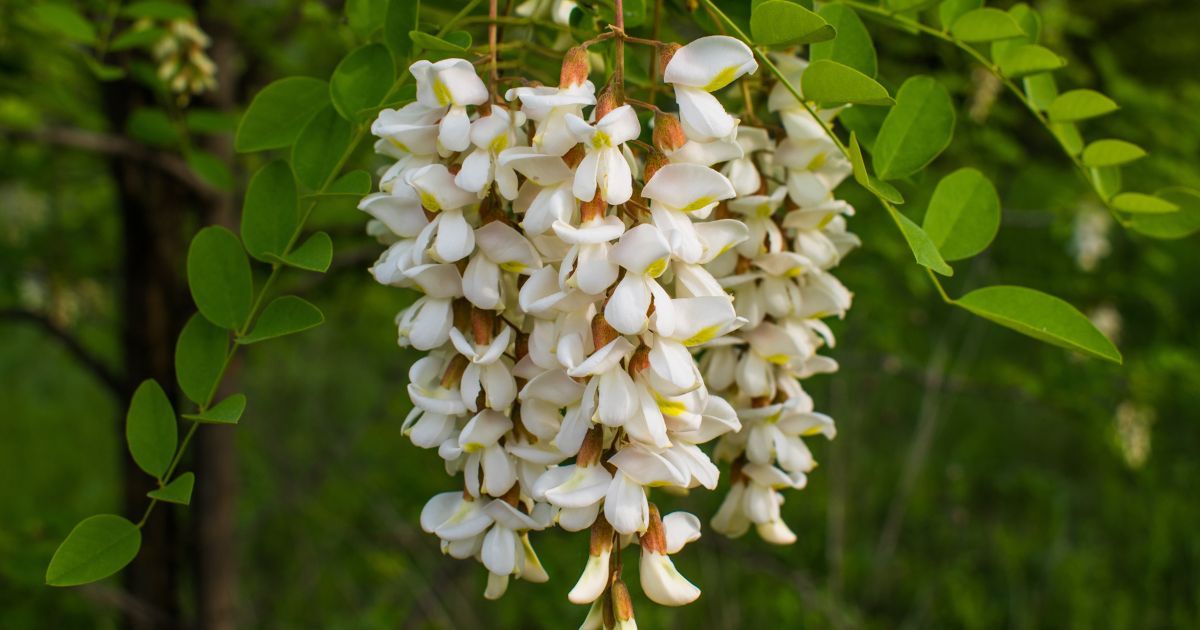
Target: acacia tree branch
99, 369
114, 145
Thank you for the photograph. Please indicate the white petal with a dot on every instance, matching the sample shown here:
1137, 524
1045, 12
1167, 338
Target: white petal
703, 117
681, 528
476, 172
613, 176
640, 248
687, 187
662, 582
625, 506
499, 553
481, 282
454, 132
594, 580
455, 238
626, 309
621, 125
710, 63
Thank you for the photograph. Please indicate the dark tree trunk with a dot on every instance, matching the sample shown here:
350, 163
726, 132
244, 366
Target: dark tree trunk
153, 305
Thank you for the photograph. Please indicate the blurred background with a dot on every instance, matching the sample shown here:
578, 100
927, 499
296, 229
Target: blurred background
979, 479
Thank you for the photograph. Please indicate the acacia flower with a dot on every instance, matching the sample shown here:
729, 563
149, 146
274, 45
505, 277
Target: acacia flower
696, 70
605, 165
450, 85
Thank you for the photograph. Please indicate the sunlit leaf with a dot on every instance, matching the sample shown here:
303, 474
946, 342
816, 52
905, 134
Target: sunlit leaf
924, 251
829, 83
963, 215
916, 130
852, 46
1141, 203
778, 22
1041, 316
985, 25
399, 20
1080, 105
1111, 153
1029, 59
1179, 224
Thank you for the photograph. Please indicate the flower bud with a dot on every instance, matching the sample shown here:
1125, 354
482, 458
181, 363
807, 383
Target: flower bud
668, 132
575, 68
654, 162
665, 53
602, 332
606, 102
595, 576
622, 606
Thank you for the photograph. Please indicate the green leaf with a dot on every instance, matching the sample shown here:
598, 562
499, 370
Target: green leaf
456, 42
98, 547
152, 126
63, 20
963, 215
830, 83
950, 10
1029, 59
320, 146
777, 22
178, 491
270, 212
985, 25
1068, 134
158, 11
315, 254
361, 80
922, 247
878, 187
900, 6
1141, 203
1111, 153
634, 10
401, 18
1184, 222
1080, 105
150, 429
228, 411
1041, 89
219, 277
285, 315
210, 168
278, 113
1041, 316
200, 357
365, 16
852, 46
917, 129
103, 71
210, 121
1031, 27
136, 37
1107, 180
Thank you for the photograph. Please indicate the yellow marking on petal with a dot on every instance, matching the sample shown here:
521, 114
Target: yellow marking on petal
813, 431
817, 162
821, 315
399, 145
764, 210
514, 266
773, 418
777, 359
705, 335
669, 407
794, 272
601, 140
723, 78
657, 267
825, 220
472, 447
499, 144
441, 92
697, 204
430, 202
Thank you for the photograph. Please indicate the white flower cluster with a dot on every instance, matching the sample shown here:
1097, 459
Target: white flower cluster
782, 286
566, 287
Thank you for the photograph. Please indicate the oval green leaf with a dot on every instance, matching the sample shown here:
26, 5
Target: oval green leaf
852, 47
361, 80
963, 215
199, 358
922, 247
985, 25
210, 168
1173, 225
278, 113
401, 17
270, 212
950, 10
1041, 316
779, 22
1111, 153
285, 315
456, 42
319, 148
219, 277
150, 429
178, 491
916, 130
98, 547
1080, 105
1029, 59
1141, 203
829, 84
315, 254
228, 411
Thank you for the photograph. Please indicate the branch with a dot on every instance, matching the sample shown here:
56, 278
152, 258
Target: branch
110, 144
97, 367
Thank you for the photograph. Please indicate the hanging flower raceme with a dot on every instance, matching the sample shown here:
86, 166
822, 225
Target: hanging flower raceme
598, 312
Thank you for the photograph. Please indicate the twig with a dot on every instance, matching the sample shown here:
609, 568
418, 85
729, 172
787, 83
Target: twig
97, 367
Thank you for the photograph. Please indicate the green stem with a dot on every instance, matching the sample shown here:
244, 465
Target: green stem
900, 22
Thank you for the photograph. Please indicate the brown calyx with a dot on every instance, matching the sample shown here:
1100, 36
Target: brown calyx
602, 536
594, 209
668, 132
575, 68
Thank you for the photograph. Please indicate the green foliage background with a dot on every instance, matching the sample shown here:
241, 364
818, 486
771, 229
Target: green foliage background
1023, 511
